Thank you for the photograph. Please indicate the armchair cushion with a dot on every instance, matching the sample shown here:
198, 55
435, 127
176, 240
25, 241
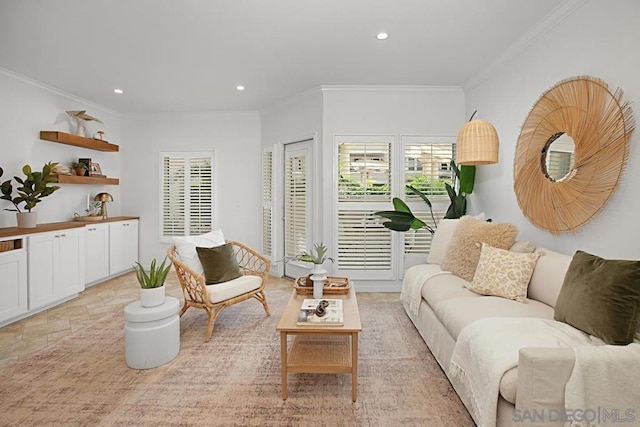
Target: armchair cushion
233, 288
219, 264
186, 247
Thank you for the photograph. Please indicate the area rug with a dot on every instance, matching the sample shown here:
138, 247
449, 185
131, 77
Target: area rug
232, 380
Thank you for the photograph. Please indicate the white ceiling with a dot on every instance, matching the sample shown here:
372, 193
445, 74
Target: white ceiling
189, 55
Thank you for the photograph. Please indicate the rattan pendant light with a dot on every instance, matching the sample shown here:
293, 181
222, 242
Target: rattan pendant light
477, 143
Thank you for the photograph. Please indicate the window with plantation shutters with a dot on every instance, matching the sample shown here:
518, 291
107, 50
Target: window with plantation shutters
267, 202
296, 200
427, 168
364, 246
187, 193
419, 241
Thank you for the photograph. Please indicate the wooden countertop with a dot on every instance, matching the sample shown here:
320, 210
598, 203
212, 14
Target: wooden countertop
54, 226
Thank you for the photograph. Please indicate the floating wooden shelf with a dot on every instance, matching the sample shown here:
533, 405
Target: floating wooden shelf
77, 141
89, 180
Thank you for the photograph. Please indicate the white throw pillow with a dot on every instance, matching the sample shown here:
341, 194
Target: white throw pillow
440, 240
186, 247
503, 273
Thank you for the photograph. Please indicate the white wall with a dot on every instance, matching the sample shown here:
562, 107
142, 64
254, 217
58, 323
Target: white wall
296, 119
599, 39
26, 108
235, 137
433, 111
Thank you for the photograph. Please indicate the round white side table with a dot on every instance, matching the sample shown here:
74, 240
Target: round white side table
151, 334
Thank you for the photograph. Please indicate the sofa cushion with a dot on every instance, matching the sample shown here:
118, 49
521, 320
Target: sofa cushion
509, 385
440, 240
601, 297
463, 252
456, 313
503, 273
444, 287
548, 276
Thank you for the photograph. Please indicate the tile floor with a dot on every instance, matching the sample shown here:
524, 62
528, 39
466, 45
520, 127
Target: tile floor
25, 337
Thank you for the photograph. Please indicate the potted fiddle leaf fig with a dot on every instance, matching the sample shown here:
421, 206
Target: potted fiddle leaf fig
31, 190
152, 291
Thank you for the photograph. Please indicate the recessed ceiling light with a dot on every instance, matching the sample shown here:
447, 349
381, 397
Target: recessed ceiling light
382, 36
240, 87
118, 91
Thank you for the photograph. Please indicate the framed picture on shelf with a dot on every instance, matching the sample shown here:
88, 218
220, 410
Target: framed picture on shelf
95, 170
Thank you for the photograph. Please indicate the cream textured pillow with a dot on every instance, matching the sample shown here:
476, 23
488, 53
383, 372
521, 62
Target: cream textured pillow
503, 273
463, 252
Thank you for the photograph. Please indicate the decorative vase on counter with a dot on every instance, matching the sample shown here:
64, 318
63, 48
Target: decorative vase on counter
318, 275
152, 297
27, 219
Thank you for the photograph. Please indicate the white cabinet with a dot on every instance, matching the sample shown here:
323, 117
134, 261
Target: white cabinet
13, 278
123, 246
96, 266
55, 266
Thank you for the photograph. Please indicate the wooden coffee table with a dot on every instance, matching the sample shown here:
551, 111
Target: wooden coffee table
320, 349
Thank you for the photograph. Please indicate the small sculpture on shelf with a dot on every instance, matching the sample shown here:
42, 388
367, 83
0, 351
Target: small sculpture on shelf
81, 117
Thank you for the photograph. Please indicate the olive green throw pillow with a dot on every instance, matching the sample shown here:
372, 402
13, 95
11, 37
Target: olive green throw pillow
219, 264
601, 297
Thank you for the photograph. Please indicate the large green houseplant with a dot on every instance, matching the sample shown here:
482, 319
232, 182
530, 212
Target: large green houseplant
402, 219
30, 191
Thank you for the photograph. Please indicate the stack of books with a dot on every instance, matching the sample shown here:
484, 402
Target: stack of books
332, 317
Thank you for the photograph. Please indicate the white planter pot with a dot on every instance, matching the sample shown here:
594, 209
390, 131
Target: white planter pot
152, 297
27, 219
318, 275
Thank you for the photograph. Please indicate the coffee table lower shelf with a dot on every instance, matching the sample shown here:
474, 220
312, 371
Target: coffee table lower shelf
320, 354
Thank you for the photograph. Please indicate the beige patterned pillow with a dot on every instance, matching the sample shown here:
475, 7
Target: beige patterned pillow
463, 251
503, 273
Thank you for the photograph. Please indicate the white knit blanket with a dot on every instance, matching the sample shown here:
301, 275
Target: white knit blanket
414, 280
605, 381
488, 348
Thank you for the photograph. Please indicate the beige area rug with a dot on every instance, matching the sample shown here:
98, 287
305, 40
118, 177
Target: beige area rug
235, 379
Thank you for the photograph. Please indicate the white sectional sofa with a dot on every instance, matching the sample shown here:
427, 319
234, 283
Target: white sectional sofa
446, 307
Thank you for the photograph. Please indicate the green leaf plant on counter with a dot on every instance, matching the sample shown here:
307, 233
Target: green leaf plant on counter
402, 219
33, 188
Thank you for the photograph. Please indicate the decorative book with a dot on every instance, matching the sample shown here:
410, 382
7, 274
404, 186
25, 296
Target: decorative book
333, 313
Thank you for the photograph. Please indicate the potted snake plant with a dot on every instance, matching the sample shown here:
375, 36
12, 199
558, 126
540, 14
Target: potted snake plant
152, 290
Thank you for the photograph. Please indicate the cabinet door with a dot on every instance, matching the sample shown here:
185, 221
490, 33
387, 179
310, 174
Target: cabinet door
40, 267
68, 263
13, 291
123, 246
96, 266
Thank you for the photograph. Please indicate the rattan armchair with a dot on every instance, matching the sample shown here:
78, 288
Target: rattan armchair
198, 294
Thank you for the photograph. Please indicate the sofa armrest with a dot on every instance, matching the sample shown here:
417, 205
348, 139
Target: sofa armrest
542, 376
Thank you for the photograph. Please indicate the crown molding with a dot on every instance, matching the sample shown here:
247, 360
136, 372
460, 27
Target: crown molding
316, 90
390, 88
56, 91
556, 16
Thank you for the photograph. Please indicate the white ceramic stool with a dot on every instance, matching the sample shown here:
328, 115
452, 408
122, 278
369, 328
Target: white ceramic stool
151, 334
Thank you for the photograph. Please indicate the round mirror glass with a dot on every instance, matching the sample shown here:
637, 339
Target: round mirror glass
558, 156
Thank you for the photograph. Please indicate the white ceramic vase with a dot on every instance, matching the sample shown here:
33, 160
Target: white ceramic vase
27, 219
152, 297
318, 275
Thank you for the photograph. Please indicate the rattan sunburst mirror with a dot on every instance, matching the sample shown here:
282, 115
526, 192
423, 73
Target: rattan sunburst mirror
559, 189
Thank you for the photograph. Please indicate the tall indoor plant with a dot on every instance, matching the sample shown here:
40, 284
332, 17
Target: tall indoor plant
31, 190
402, 219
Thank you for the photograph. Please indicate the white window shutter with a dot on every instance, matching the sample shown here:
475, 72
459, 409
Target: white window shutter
363, 243
296, 205
187, 202
267, 202
427, 168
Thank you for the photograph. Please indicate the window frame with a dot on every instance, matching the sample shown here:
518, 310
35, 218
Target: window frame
187, 155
